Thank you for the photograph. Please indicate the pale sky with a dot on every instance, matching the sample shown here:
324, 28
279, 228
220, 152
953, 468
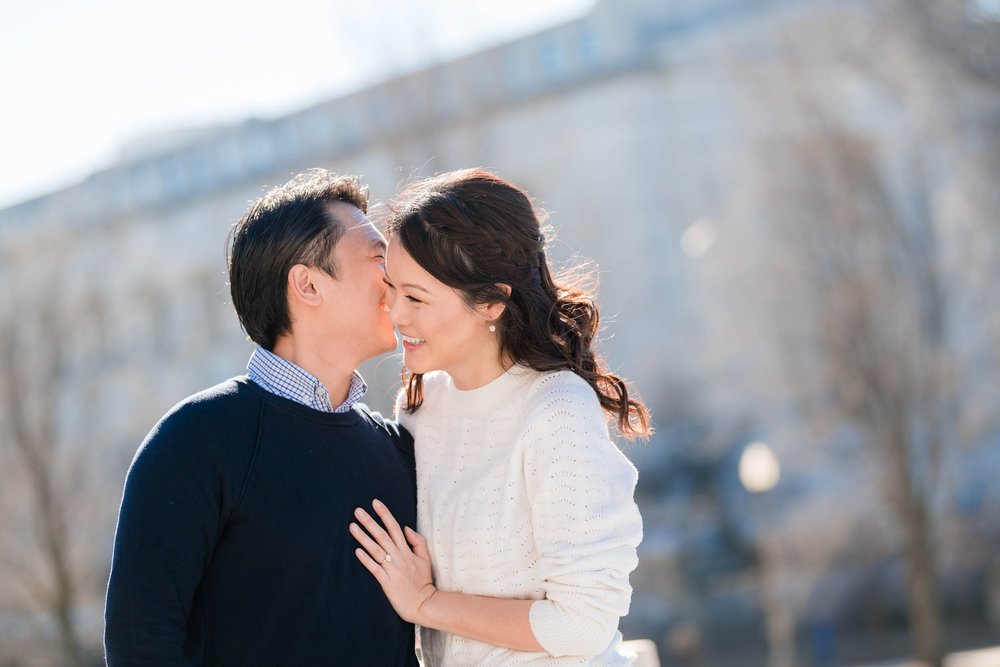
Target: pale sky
81, 78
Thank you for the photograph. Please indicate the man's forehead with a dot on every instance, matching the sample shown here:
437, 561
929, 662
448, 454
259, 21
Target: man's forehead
356, 225
349, 215
359, 216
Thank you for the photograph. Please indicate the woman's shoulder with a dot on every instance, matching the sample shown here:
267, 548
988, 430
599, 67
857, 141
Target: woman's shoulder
561, 386
564, 414
434, 380
433, 385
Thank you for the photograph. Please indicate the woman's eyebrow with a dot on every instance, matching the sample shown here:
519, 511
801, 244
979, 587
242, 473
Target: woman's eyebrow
416, 287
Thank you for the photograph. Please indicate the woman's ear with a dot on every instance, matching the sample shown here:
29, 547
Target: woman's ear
301, 287
495, 310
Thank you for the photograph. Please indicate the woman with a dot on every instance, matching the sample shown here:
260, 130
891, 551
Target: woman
524, 503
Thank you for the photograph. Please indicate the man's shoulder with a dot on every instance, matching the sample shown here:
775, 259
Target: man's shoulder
387, 427
390, 428
233, 394
218, 423
224, 406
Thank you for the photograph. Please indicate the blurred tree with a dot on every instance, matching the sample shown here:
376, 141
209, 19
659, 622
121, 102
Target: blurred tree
877, 353
858, 249
962, 35
45, 467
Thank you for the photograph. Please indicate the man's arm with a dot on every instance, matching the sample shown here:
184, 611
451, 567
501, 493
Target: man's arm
170, 518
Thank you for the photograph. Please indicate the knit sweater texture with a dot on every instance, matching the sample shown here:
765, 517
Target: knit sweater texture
232, 545
522, 494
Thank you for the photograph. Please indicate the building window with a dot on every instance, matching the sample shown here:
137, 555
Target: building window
146, 184
316, 130
589, 46
552, 58
347, 124
227, 158
285, 139
174, 178
518, 69
198, 173
259, 150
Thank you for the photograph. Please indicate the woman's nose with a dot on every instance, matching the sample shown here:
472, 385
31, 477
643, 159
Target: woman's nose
395, 310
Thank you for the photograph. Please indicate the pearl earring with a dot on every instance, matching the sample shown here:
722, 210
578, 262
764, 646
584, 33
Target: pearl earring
493, 328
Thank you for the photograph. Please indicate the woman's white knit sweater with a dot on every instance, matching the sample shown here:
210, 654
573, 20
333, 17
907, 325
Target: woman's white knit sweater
521, 494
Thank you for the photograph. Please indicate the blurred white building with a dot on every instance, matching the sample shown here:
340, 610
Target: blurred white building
614, 122
636, 126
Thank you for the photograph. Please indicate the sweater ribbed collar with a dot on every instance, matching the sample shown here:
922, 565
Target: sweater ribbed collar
492, 394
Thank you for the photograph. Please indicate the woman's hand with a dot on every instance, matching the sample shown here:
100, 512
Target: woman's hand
403, 572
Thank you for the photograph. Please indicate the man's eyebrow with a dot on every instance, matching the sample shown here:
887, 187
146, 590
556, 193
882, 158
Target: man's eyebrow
377, 243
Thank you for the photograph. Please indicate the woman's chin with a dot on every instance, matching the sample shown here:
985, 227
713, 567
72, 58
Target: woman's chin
415, 369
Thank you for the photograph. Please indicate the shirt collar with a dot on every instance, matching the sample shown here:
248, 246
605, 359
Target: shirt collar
283, 378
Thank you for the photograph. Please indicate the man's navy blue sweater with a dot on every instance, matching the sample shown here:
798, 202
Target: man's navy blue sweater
232, 545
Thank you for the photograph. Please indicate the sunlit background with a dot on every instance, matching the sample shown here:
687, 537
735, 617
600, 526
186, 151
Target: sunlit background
794, 207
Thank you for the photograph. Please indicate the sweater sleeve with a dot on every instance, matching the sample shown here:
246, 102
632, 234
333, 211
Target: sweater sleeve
178, 493
585, 521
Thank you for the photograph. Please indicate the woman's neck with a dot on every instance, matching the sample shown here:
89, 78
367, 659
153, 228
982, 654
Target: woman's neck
475, 376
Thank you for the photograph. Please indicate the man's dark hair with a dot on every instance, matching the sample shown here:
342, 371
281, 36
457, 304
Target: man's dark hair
289, 225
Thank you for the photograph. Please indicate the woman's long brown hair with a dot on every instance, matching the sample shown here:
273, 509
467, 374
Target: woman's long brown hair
474, 232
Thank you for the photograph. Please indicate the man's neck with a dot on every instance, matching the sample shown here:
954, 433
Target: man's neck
320, 360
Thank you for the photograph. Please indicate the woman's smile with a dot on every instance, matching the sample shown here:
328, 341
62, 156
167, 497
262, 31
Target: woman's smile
410, 342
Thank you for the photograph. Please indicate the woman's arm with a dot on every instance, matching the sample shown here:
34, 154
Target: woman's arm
399, 560
585, 527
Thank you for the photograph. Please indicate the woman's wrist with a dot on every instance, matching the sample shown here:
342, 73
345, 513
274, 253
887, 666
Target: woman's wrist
499, 621
424, 613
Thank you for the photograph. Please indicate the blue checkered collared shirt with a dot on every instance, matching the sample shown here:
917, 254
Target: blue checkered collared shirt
282, 377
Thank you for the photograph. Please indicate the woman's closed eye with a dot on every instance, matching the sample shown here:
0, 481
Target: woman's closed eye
390, 286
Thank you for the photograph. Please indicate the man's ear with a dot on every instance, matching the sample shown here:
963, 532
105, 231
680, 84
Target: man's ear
301, 287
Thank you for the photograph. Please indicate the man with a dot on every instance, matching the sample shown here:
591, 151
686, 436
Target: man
233, 545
